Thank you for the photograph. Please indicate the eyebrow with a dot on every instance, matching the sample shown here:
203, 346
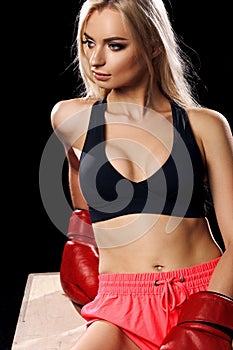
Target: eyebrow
107, 40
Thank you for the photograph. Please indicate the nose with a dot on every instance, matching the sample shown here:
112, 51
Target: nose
97, 57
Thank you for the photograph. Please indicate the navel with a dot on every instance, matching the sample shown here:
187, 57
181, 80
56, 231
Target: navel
158, 268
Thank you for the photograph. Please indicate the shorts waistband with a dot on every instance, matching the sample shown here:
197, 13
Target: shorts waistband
124, 283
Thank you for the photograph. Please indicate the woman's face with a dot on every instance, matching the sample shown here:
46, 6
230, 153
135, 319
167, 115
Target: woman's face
111, 51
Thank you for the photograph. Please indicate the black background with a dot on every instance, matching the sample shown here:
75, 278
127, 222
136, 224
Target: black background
36, 75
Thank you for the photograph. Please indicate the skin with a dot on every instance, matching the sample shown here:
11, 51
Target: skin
118, 65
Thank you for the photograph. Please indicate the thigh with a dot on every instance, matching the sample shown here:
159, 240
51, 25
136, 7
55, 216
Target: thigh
104, 335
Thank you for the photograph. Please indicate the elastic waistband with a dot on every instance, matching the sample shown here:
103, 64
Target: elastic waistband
125, 283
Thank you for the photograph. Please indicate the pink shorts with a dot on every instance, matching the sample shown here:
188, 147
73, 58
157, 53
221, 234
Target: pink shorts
146, 305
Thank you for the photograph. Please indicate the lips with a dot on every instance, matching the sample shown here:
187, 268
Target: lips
101, 76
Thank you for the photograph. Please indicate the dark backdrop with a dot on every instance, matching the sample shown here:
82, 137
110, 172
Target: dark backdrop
37, 73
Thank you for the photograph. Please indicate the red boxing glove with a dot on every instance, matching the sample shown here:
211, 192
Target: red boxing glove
205, 323
79, 263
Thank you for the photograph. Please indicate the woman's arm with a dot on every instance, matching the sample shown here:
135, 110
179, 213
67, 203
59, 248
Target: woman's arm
69, 119
217, 143
77, 198
216, 138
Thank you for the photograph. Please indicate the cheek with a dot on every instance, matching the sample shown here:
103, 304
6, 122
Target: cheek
133, 66
123, 63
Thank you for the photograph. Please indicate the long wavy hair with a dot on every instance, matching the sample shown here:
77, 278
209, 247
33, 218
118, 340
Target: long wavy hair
150, 25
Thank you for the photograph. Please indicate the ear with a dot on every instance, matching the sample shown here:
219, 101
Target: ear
157, 51
157, 48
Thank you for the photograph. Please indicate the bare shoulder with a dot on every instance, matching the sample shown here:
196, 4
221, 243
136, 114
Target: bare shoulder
70, 119
65, 109
206, 122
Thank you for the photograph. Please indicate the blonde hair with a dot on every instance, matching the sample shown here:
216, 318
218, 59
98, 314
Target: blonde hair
151, 28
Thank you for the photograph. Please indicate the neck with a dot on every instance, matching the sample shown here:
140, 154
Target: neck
124, 102
133, 97
137, 95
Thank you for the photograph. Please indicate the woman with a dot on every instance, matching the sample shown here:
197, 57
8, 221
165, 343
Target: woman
139, 159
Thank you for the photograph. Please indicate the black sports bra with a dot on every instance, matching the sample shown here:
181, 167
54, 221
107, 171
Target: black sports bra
175, 189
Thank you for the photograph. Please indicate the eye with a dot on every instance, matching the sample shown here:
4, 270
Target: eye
90, 44
116, 46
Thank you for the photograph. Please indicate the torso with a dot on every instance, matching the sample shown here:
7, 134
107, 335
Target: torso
148, 246
189, 244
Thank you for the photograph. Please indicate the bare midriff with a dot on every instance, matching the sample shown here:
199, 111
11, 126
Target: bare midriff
139, 243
